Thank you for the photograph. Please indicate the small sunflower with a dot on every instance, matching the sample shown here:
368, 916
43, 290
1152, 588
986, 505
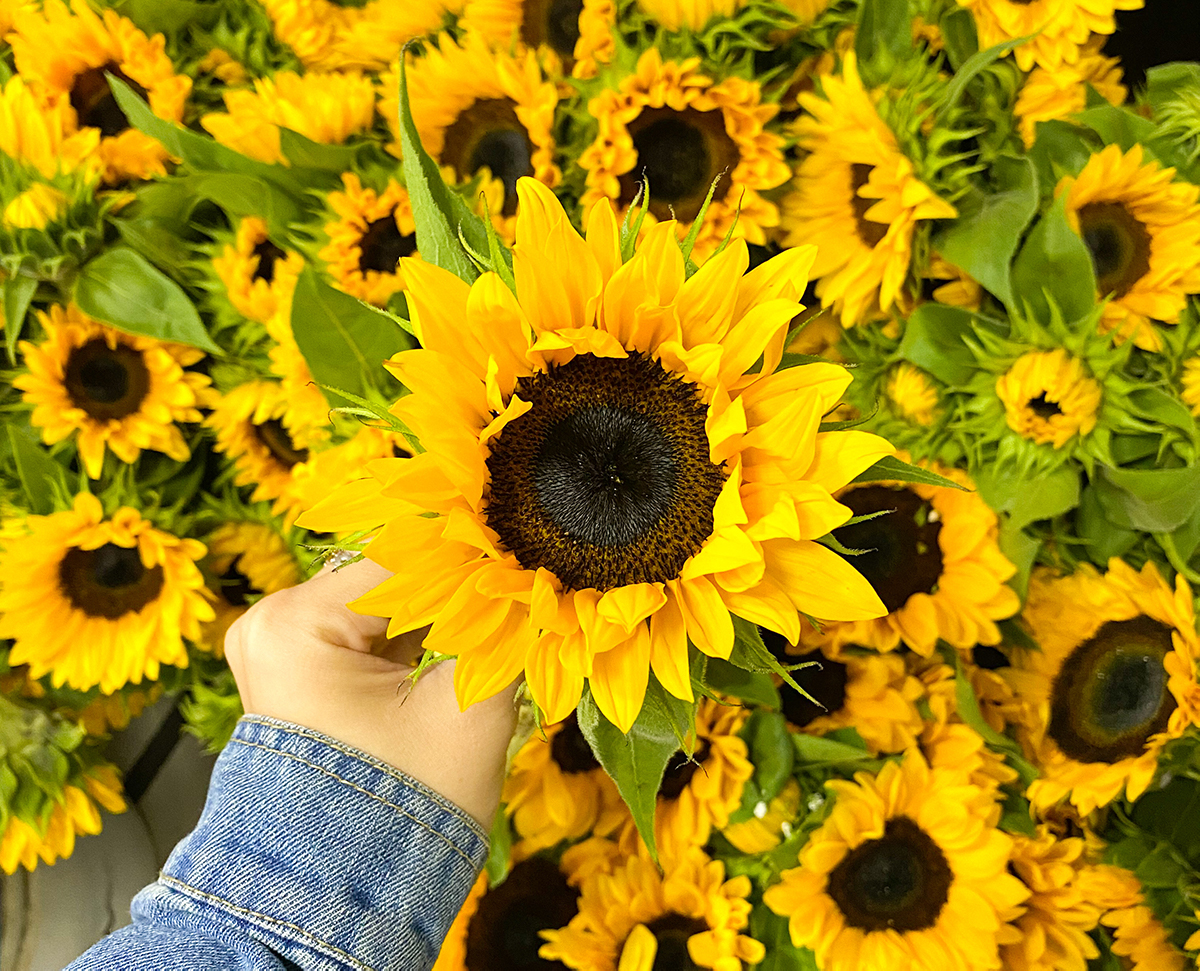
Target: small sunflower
259, 276
1190, 385
909, 871
372, 231
118, 391
856, 197
1140, 940
1049, 397
1053, 93
1142, 229
53, 839
935, 562
1113, 682
572, 35
912, 394
635, 917
40, 136
478, 109
681, 129
326, 108
245, 560
501, 926
63, 54
952, 286
770, 825
599, 365
556, 790
101, 601
1058, 28
689, 14
807, 10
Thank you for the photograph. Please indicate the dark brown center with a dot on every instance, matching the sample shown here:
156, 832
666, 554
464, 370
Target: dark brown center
93, 100
489, 134
570, 750
554, 23
504, 933
681, 768
106, 382
1119, 246
235, 586
1042, 408
268, 254
672, 931
275, 438
109, 581
383, 245
869, 231
827, 684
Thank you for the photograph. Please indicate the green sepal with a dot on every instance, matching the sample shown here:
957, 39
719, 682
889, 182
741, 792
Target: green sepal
883, 38
889, 469
766, 735
751, 654
18, 293
500, 852
630, 230
753, 688
689, 241
41, 477
813, 751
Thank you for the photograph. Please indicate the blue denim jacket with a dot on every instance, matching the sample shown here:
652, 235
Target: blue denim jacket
309, 854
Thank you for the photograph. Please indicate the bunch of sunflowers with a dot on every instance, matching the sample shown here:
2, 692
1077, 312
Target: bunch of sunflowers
798, 396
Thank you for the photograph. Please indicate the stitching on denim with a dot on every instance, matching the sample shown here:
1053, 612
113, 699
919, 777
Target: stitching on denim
366, 792
379, 764
221, 901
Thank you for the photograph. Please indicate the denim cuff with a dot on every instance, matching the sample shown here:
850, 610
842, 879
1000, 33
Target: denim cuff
327, 855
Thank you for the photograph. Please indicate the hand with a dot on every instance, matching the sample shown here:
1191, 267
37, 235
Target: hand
300, 655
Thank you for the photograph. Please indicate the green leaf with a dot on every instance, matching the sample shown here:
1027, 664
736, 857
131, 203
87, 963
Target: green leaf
435, 212
38, 472
972, 66
344, 340
1160, 868
960, 36
501, 850
18, 292
636, 761
883, 38
751, 654
1055, 265
1060, 148
814, 750
766, 734
747, 686
1152, 500
890, 468
304, 153
1104, 539
771, 930
1023, 499
935, 338
984, 237
168, 16
1118, 125
121, 288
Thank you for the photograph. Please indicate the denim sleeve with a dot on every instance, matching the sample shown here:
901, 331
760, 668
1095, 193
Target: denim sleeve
309, 854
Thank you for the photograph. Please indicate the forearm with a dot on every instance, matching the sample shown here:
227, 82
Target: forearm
307, 852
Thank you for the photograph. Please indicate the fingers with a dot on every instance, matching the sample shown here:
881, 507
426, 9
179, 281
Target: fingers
320, 605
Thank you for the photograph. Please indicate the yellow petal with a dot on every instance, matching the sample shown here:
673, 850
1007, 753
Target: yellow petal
785, 275
820, 583
839, 456
706, 301
704, 613
351, 507
640, 950
669, 650
494, 662
604, 238
438, 303
748, 338
619, 678
629, 605
554, 687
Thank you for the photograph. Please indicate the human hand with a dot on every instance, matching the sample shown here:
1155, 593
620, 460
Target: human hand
300, 655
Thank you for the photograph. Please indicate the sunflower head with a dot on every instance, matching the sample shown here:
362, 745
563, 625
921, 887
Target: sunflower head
1049, 398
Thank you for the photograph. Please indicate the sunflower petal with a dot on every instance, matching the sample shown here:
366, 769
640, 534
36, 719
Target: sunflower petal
820, 583
620, 676
669, 650
555, 687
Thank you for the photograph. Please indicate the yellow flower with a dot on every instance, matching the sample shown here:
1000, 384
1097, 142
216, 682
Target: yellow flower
221, 65
1140, 940
118, 391
765, 831
42, 136
245, 560
856, 197
630, 917
575, 37
94, 601
958, 290
1113, 681
718, 484
1061, 92
806, 10
681, 129
372, 231
1062, 27
689, 14
1049, 397
35, 208
477, 109
326, 108
1142, 229
936, 563
1190, 381
63, 54
308, 413
908, 871
76, 814
8, 10
258, 275
112, 713
912, 394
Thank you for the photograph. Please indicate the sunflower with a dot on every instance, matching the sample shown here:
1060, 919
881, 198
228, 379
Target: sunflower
478, 109
571, 35
112, 713
689, 14
954, 287
326, 108
8, 10
908, 871
119, 391
1049, 397
371, 232
771, 823
1141, 942
501, 927
1059, 913
1053, 93
1142, 230
308, 409
806, 10
96, 601
42, 137
935, 562
259, 276
53, 839
335, 466
1113, 681
556, 790
681, 129
717, 480
636, 918
245, 560
35, 208
64, 53
912, 394
1190, 385
1059, 29
856, 197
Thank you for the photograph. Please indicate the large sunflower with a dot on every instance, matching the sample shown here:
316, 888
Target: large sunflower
681, 129
1053, 93
63, 54
119, 391
101, 601
370, 233
259, 276
636, 918
475, 109
856, 197
556, 790
1142, 229
935, 561
607, 478
1113, 681
572, 35
326, 108
1049, 397
1057, 29
908, 871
